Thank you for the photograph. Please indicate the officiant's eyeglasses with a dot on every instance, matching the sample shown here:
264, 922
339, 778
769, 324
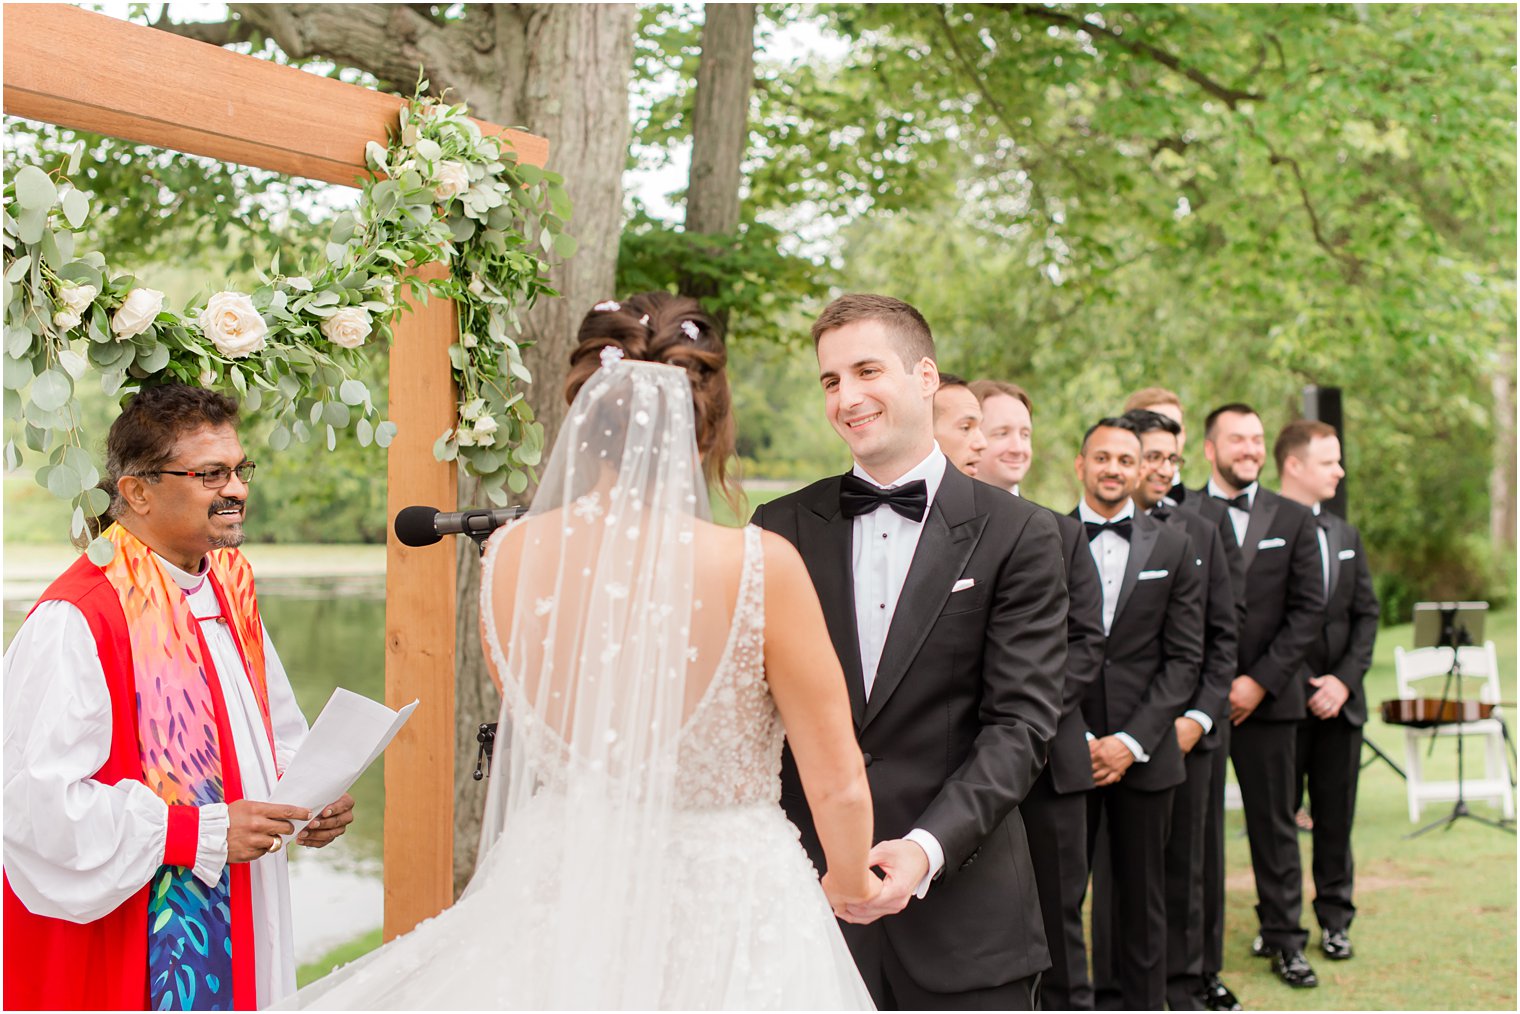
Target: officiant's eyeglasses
214, 478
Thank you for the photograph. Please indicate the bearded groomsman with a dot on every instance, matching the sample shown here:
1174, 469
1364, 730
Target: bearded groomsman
1200, 726
1216, 744
1284, 605
1153, 617
1055, 811
1308, 457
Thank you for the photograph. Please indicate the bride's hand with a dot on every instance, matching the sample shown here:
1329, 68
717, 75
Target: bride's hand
842, 893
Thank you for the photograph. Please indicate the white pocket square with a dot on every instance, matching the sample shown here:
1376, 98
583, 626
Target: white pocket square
1347, 554
1271, 543
963, 584
1150, 575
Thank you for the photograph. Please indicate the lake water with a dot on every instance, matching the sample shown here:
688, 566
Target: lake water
329, 632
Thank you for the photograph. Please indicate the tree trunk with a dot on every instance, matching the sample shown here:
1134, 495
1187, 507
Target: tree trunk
558, 70
720, 129
1501, 480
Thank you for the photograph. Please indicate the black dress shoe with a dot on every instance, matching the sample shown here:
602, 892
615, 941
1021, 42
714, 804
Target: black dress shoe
1217, 996
1293, 968
1336, 945
1259, 948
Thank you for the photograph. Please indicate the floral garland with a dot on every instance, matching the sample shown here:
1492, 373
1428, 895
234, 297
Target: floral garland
442, 192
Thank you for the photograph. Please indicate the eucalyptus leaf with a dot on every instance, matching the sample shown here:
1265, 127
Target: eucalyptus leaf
353, 392
63, 482
385, 433
76, 523
279, 438
364, 430
12, 456
95, 501
76, 208
18, 267
335, 414
332, 438
52, 390
153, 358
34, 188
517, 481
100, 551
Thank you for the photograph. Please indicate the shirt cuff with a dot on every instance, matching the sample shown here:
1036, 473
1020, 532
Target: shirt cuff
1202, 718
1090, 736
936, 853
211, 844
1134, 747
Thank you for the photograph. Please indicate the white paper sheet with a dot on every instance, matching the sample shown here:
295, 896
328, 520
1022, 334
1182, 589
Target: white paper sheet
347, 736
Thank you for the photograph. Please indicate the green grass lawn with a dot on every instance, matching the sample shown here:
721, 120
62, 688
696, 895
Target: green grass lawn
1435, 926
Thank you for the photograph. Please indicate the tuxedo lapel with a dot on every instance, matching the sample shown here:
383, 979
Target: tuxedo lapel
1262, 512
1142, 541
1333, 546
951, 531
825, 540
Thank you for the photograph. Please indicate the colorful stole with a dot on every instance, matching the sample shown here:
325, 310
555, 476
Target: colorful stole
190, 927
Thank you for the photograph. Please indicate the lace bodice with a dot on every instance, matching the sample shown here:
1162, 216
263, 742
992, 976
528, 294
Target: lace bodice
729, 750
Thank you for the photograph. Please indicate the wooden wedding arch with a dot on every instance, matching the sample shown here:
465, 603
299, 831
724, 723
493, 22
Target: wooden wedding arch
90, 72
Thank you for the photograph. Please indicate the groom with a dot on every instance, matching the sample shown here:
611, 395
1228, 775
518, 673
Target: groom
946, 601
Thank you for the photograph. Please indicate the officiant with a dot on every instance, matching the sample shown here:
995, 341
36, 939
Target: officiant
147, 716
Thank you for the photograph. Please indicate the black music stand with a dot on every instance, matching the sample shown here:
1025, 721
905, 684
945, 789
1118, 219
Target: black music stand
1453, 625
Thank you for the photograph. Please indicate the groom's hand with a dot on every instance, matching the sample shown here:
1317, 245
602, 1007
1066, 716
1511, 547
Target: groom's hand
903, 864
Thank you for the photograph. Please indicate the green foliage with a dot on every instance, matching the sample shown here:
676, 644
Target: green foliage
291, 346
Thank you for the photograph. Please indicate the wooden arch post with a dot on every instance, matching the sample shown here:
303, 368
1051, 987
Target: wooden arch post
83, 70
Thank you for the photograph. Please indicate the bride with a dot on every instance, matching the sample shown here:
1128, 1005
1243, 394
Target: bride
633, 853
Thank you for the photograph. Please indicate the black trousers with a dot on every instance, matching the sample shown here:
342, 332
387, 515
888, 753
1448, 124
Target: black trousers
1057, 829
1329, 763
1213, 855
892, 988
1184, 885
1265, 755
1130, 927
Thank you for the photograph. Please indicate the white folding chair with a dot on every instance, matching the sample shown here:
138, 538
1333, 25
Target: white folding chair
1480, 677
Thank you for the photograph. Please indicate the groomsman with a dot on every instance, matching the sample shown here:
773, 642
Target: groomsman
946, 601
1284, 605
1308, 457
1055, 811
1152, 615
1216, 744
958, 424
1205, 717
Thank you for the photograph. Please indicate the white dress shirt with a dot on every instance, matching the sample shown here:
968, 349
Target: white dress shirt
884, 544
1324, 554
1238, 518
75, 848
1111, 553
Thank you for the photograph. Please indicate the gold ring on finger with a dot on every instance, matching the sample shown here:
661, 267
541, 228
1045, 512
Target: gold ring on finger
274, 846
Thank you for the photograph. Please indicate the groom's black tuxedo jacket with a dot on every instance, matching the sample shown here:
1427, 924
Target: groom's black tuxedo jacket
965, 700
1153, 654
1343, 647
1283, 595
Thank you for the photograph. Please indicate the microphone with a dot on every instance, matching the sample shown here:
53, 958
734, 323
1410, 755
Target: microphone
423, 526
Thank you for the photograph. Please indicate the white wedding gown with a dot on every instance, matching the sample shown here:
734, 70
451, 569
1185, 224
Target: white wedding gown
745, 924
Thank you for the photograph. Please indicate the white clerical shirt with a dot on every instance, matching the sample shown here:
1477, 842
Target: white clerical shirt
76, 849
884, 544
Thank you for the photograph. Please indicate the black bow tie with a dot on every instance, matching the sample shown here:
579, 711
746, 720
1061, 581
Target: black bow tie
857, 497
1240, 503
1161, 512
1123, 529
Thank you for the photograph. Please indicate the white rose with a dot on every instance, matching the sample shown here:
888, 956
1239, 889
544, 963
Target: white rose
233, 324
388, 291
450, 180
65, 321
136, 313
208, 377
464, 438
469, 341
77, 298
348, 327
485, 431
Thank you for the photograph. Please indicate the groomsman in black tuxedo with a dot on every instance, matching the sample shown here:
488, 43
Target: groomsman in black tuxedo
1151, 584
1216, 744
1308, 457
1284, 606
1204, 718
1055, 811
946, 601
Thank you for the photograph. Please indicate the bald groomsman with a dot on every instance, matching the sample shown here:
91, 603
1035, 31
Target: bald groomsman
1308, 457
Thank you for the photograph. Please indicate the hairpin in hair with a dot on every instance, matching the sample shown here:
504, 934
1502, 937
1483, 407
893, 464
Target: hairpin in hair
608, 304
610, 355
691, 330
644, 320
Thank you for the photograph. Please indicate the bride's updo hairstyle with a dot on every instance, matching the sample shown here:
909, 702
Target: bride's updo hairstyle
657, 327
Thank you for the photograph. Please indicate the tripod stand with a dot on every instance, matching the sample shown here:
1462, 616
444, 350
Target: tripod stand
1455, 636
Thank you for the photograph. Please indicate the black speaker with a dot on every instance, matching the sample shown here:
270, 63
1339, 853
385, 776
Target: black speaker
1324, 404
